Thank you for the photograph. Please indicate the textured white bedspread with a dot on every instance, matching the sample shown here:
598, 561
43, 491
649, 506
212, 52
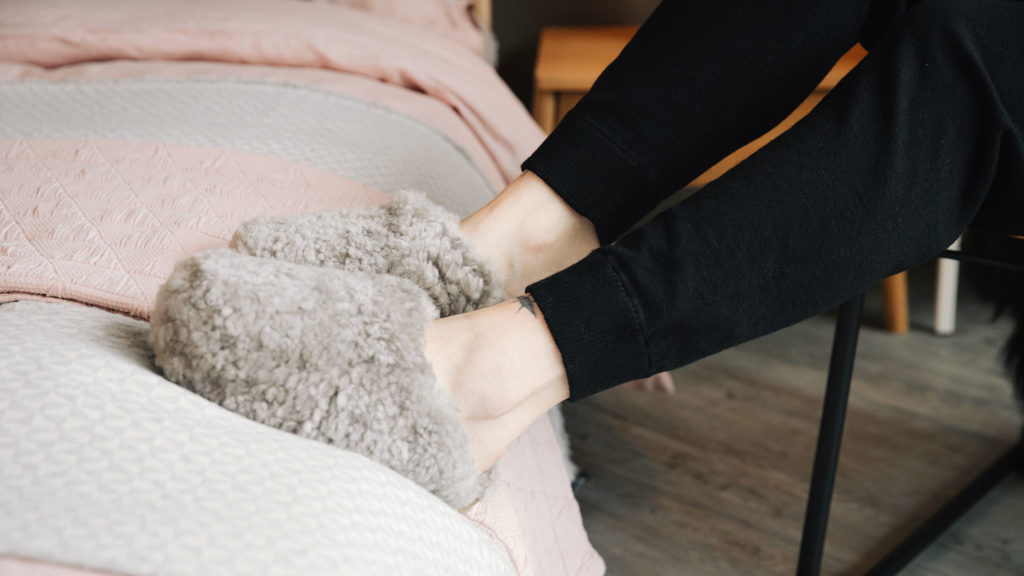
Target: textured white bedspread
107, 465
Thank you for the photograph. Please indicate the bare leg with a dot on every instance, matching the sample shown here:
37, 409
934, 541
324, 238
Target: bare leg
500, 363
529, 233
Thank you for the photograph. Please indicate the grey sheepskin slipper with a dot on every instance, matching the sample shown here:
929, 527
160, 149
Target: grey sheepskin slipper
410, 237
326, 354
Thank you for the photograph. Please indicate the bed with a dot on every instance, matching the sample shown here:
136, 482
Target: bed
135, 133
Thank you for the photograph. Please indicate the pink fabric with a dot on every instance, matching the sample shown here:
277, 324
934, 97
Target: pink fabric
274, 33
449, 18
102, 221
532, 483
429, 110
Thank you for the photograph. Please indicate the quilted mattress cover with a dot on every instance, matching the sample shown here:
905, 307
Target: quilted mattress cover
103, 458
133, 134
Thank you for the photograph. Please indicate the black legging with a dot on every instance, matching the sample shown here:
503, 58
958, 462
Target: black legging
918, 141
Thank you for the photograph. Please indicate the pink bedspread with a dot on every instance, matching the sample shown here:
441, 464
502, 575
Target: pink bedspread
103, 221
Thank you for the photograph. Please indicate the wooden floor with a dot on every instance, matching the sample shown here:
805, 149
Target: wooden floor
713, 480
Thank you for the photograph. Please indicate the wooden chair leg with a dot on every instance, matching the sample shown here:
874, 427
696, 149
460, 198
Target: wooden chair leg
897, 311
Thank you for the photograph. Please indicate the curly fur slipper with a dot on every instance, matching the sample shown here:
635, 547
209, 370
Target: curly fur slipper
410, 237
327, 354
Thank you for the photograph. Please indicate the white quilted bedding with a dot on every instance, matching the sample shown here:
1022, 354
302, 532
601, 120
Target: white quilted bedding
109, 466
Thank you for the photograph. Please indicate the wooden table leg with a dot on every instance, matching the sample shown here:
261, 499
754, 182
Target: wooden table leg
897, 311
545, 109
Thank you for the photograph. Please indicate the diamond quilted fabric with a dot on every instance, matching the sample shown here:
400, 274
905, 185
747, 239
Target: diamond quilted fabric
107, 465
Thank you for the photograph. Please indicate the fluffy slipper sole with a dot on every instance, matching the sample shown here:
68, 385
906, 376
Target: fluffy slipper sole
326, 354
410, 237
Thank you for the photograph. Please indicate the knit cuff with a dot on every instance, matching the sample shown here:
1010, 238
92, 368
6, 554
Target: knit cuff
595, 325
591, 174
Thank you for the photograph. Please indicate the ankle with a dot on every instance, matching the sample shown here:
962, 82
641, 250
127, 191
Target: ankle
528, 232
503, 370
495, 359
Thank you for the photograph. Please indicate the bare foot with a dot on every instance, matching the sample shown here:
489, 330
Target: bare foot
661, 382
503, 369
500, 363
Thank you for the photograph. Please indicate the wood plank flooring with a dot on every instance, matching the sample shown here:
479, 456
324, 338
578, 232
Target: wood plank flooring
713, 480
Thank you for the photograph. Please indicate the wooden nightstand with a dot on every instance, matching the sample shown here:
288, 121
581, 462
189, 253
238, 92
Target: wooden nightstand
569, 60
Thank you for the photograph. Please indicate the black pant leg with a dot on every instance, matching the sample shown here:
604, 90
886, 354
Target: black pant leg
700, 79
887, 171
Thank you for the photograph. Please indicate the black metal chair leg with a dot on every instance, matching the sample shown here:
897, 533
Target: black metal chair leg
830, 436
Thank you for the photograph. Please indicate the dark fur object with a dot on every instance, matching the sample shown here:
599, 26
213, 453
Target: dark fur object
1006, 290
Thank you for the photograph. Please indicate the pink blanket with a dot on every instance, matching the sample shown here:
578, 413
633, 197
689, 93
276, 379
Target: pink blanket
62, 33
101, 221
